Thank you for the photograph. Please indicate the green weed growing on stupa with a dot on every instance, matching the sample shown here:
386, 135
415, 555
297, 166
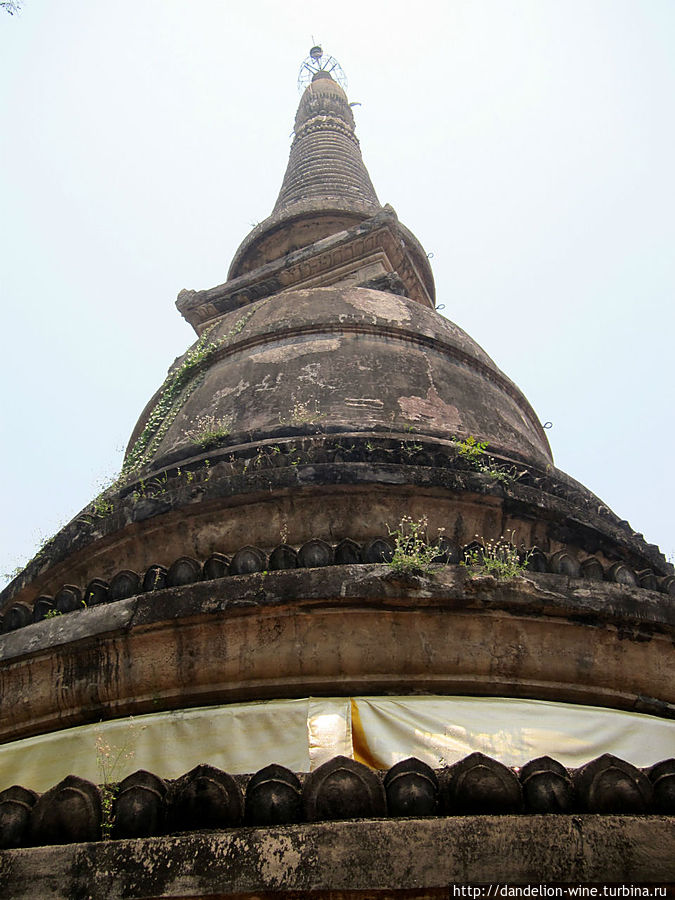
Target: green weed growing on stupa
500, 558
414, 553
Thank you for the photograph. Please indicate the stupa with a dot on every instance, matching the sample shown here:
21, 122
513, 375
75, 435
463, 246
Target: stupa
339, 556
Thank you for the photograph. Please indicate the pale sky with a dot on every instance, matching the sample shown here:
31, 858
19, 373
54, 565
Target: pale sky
529, 144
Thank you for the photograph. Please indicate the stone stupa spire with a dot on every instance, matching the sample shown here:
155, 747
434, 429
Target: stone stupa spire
326, 193
325, 162
326, 187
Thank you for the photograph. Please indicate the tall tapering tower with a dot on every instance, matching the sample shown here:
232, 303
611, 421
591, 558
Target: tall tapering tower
257, 588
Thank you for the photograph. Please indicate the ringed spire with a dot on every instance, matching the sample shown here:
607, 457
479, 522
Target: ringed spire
326, 187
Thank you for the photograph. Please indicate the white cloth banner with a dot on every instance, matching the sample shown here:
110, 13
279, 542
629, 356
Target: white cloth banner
302, 734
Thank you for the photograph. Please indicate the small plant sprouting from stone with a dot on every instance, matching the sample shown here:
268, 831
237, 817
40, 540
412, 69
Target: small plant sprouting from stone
302, 414
474, 453
414, 553
52, 614
471, 450
101, 507
283, 532
500, 558
209, 430
110, 758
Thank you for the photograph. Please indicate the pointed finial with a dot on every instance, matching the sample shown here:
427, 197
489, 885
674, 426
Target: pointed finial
317, 62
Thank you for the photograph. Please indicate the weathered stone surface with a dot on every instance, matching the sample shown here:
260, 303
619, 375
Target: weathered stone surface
43, 606
622, 574
478, 784
16, 804
97, 591
449, 553
124, 584
17, 616
273, 797
184, 570
648, 580
376, 858
155, 578
247, 560
348, 553
412, 789
537, 561
216, 566
379, 550
314, 554
325, 495
591, 569
560, 640
206, 797
547, 787
564, 563
283, 557
611, 785
140, 806
68, 813
342, 789
662, 777
68, 598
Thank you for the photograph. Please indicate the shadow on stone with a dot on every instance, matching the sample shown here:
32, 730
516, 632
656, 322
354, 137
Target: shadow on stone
412, 789
273, 797
343, 789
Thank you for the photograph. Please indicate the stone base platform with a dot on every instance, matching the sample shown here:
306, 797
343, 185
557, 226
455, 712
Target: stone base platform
404, 858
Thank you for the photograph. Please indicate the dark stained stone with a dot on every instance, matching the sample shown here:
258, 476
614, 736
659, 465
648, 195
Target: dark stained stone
412, 789
16, 804
563, 563
315, 553
206, 797
648, 580
342, 789
68, 598
423, 458
154, 578
347, 553
283, 557
273, 797
42, 606
620, 573
216, 566
140, 807
124, 584
591, 569
184, 570
248, 560
662, 777
68, 813
379, 455
379, 550
547, 787
449, 553
666, 584
391, 282
480, 784
537, 561
611, 785
97, 591
17, 616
